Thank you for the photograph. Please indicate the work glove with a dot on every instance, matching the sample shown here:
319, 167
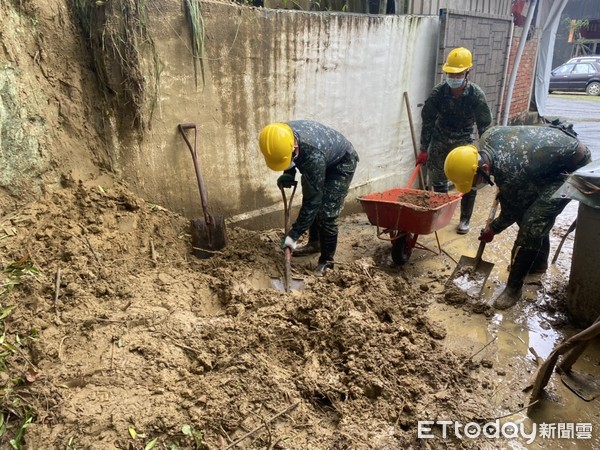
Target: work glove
288, 242
486, 235
422, 158
285, 181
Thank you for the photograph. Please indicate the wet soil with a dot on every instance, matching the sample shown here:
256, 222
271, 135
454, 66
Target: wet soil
122, 336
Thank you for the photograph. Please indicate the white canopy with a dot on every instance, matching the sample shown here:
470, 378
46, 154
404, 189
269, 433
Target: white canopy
549, 12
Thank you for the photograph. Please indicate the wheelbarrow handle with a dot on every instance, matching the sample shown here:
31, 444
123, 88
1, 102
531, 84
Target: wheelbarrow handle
413, 137
413, 176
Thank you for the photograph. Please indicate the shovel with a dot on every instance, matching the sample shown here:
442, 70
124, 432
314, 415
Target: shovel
471, 274
288, 283
209, 234
584, 385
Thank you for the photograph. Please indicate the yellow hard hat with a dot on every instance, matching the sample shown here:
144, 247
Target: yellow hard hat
276, 142
460, 167
458, 60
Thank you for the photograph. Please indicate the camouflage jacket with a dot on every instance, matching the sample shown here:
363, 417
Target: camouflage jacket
526, 162
320, 147
451, 119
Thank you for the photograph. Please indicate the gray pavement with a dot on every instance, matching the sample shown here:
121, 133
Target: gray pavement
583, 113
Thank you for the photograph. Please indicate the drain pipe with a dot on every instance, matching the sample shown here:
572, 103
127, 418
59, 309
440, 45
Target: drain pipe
513, 75
505, 74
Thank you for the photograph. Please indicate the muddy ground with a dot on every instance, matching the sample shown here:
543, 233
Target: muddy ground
115, 337
138, 340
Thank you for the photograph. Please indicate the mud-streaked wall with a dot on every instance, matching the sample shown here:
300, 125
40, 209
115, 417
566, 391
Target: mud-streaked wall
48, 103
347, 71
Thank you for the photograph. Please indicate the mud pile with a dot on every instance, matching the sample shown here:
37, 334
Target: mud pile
121, 336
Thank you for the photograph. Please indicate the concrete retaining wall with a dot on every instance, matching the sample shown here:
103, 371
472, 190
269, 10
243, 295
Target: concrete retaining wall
346, 70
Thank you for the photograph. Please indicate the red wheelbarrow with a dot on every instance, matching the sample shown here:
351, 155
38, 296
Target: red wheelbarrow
406, 213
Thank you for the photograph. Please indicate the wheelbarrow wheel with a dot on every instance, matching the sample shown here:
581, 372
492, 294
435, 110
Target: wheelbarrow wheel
401, 251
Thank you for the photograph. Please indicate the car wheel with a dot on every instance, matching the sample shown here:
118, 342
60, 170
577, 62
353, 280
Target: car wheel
593, 88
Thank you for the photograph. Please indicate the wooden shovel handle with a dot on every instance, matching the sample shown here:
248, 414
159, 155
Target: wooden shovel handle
487, 224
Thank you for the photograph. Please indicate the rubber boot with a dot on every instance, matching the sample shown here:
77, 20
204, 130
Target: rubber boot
540, 264
313, 246
466, 210
518, 271
328, 248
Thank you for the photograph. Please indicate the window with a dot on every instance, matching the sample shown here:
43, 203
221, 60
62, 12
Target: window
583, 68
563, 70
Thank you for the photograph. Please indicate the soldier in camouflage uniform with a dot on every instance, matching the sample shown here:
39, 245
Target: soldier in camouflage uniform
448, 117
528, 163
327, 161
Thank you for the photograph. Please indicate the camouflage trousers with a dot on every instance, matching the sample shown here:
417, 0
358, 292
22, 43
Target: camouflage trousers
535, 209
536, 220
337, 183
436, 156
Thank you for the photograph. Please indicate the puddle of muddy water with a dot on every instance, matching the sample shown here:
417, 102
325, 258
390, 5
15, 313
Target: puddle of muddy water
511, 365
510, 337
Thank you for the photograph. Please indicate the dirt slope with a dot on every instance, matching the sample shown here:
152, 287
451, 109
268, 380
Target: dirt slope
153, 340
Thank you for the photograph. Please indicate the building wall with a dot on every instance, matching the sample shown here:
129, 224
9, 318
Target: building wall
497, 7
523, 89
488, 37
346, 70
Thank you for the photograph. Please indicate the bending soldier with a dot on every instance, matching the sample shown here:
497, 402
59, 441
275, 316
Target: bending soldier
528, 163
327, 161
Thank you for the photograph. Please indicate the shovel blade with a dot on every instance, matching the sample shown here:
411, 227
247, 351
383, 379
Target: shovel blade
470, 276
583, 385
296, 284
208, 238
288, 283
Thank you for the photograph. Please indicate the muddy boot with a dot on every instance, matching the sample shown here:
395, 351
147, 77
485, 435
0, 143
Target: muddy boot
328, 248
508, 297
466, 210
540, 264
514, 286
322, 267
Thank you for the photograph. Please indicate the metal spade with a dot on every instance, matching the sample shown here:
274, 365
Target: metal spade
470, 273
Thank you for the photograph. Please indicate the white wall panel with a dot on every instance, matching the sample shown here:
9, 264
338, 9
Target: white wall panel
345, 70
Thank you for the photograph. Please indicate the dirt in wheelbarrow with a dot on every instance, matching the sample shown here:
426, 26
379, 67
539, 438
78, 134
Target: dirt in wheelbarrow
416, 197
116, 336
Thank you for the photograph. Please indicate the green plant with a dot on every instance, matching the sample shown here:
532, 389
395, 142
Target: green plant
576, 26
581, 45
15, 412
71, 445
196, 24
13, 273
118, 30
16, 442
197, 435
